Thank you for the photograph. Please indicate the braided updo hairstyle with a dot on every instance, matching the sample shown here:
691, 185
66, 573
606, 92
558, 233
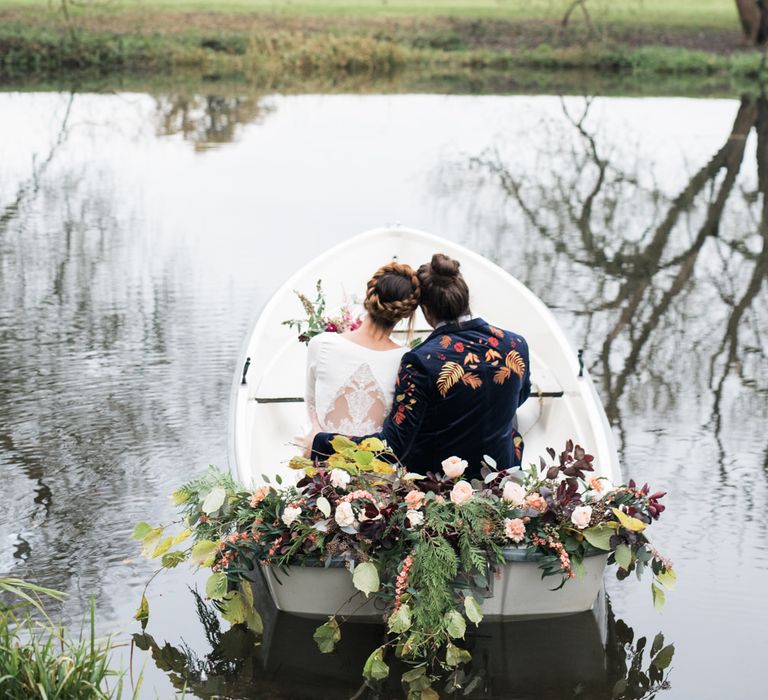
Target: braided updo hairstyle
393, 294
444, 293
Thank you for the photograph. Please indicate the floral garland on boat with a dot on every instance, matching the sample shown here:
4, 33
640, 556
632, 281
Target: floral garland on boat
427, 546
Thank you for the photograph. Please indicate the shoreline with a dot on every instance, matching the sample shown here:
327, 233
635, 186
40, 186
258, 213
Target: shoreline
279, 46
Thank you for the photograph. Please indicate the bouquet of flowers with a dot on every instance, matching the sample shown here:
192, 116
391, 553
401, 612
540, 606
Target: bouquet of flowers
425, 545
318, 321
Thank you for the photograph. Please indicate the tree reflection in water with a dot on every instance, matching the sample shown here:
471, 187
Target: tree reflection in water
208, 120
589, 655
666, 289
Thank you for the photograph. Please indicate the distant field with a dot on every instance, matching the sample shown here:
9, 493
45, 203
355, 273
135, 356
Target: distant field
704, 13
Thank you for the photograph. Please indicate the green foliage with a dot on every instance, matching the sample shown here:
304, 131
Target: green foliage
327, 636
366, 578
42, 661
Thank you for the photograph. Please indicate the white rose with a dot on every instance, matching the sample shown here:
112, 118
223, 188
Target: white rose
340, 478
453, 467
344, 515
290, 514
415, 518
581, 516
513, 493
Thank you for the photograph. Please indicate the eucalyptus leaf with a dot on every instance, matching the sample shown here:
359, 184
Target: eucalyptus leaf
140, 531
658, 597
472, 610
455, 624
599, 536
456, 655
214, 500
623, 556
400, 620
203, 553
324, 506
233, 608
366, 578
327, 636
375, 669
658, 642
216, 586
171, 560
142, 614
664, 658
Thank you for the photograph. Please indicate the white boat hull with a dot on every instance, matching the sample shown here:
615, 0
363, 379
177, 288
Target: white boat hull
267, 410
517, 591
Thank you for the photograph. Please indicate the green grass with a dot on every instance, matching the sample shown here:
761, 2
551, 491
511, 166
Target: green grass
279, 42
692, 13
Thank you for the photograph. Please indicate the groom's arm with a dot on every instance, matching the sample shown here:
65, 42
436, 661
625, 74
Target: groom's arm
404, 421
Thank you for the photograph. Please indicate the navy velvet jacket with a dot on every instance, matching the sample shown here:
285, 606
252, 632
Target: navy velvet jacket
457, 394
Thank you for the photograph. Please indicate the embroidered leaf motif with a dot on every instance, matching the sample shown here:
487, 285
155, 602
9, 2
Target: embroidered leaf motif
471, 357
450, 373
496, 332
501, 375
445, 341
491, 354
515, 362
472, 380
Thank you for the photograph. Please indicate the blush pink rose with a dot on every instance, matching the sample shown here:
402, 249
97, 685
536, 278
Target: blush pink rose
514, 529
461, 492
453, 467
513, 493
581, 516
414, 500
536, 500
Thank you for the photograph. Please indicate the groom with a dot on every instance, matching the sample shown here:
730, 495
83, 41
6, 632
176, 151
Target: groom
458, 391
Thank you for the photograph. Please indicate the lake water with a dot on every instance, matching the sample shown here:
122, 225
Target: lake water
140, 234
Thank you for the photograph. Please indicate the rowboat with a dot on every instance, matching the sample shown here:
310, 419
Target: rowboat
267, 410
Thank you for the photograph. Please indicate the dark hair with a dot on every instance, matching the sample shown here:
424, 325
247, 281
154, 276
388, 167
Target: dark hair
393, 294
444, 293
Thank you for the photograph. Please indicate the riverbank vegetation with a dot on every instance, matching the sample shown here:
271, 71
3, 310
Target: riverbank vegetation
272, 40
39, 659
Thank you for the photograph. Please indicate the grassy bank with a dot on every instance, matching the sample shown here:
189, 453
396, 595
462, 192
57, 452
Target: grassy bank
276, 41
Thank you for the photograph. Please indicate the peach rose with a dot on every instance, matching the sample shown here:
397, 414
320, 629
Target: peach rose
514, 529
536, 500
513, 493
454, 467
414, 500
258, 495
461, 492
581, 516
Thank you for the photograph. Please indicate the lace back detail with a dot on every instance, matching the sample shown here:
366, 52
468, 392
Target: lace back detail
359, 406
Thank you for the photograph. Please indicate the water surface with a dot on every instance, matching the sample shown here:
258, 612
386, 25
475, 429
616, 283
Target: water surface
140, 234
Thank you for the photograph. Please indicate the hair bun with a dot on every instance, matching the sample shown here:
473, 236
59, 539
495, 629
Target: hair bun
445, 267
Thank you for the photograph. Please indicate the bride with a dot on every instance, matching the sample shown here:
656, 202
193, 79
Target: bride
351, 376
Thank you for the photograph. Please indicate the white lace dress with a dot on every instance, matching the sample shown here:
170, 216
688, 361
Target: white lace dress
349, 387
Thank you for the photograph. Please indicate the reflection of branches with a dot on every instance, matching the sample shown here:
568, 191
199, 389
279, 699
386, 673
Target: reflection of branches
637, 278
30, 187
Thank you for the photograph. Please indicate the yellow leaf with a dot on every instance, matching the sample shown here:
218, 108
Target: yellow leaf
163, 547
450, 374
380, 467
299, 463
627, 522
515, 362
182, 536
372, 445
